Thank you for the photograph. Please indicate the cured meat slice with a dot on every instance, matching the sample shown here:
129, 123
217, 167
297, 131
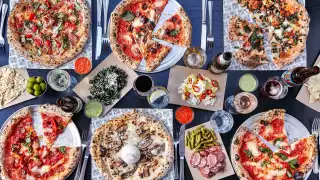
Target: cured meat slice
195, 159
204, 171
204, 153
203, 162
211, 160
220, 156
215, 148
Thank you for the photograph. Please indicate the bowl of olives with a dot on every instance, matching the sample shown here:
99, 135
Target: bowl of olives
36, 86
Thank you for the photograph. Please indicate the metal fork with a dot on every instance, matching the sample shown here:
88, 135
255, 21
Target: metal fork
210, 38
3, 17
84, 141
315, 131
176, 142
105, 40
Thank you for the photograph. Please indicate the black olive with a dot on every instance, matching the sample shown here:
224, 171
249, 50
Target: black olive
103, 151
144, 20
174, 19
153, 50
264, 122
158, 45
130, 29
144, 6
167, 31
237, 157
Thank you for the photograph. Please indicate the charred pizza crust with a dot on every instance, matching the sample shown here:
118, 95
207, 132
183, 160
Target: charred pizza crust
54, 110
49, 60
102, 148
7, 130
268, 117
186, 29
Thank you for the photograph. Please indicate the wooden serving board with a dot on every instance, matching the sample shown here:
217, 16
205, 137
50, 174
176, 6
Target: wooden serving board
195, 172
179, 73
304, 95
82, 88
24, 96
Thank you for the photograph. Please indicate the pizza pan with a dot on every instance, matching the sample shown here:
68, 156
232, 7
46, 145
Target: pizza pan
176, 52
295, 130
70, 137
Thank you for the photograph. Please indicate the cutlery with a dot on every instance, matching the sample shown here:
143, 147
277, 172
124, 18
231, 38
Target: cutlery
105, 40
176, 142
315, 131
84, 141
99, 30
86, 155
204, 26
181, 151
3, 17
210, 38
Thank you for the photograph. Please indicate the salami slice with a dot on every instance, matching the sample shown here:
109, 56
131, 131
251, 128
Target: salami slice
211, 160
215, 148
203, 162
220, 156
204, 153
195, 159
204, 171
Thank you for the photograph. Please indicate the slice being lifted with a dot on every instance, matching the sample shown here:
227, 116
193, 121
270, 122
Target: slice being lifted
54, 121
176, 30
239, 29
271, 128
154, 53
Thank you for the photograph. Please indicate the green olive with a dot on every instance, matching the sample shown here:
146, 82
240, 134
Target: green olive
30, 84
43, 86
37, 93
36, 87
32, 79
39, 79
29, 90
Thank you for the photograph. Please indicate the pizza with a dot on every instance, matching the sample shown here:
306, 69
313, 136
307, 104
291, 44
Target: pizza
22, 157
176, 30
287, 24
270, 126
54, 121
252, 53
132, 146
252, 159
154, 53
49, 32
131, 30
239, 29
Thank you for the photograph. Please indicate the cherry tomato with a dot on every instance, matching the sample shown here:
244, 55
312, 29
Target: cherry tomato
58, 44
34, 28
32, 16
71, 6
209, 91
48, 43
28, 35
37, 42
69, 24
214, 83
203, 96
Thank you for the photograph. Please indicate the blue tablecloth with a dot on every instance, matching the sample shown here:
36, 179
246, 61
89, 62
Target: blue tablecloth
193, 8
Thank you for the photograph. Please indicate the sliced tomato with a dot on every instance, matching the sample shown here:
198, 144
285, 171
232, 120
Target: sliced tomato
54, 126
34, 28
58, 44
214, 83
209, 91
38, 42
69, 24
28, 35
48, 43
71, 6
32, 16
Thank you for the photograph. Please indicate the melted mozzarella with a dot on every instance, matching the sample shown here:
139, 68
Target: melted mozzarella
279, 32
44, 169
30, 177
252, 146
152, 15
275, 173
268, 130
137, 22
159, 3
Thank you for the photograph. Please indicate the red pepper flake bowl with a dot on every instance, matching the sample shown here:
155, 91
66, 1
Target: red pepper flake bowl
184, 114
82, 65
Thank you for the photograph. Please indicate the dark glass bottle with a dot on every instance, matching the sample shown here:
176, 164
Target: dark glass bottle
220, 63
299, 75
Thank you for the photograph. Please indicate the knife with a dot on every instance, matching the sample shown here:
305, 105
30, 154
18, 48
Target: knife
182, 151
99, 30
204, 26
86, 156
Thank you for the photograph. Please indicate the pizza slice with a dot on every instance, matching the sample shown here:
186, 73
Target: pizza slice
271, 127
156, 9
239, 29
54, 163
176, 30
154, 53
54, 121
252, 53
300, 159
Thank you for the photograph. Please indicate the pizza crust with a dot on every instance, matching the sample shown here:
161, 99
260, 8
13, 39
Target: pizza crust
54, 110
268, 116
52, 61
250, 60
102, 162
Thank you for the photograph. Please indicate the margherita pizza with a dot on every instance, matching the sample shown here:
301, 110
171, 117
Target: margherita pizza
287, 23
21, 156
132, 146
49, 32
270, 126
131, 30
54, 121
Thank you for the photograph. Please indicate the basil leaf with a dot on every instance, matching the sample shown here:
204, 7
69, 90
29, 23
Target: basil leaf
128, 16
277, 139
282, 156
265, 163
62, 149
247, 29
248, 153
174, 32
264, 150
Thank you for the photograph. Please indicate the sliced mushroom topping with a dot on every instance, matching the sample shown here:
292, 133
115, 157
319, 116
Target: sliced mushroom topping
145, 143
103, 151
124, 137
138, 131
117, 163
153, 50
146, 172
121, 129
158, 149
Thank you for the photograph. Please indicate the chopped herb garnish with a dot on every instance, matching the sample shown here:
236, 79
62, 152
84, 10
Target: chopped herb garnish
265, 163
62, 149
247, 29
65, 41
248, 153
128, 16
35, 5
174, 32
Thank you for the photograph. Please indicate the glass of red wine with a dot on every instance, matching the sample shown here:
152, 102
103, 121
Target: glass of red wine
143, 85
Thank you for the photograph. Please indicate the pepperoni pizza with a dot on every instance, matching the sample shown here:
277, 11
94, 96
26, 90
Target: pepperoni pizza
49, 32
23, 158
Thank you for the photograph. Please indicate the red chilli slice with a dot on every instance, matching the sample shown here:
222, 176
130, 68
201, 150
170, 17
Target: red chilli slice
195, 159
203, 162
211, 160
205, 171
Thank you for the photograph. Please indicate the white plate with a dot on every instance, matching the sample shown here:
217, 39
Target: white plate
295, 130
70, 137
176, 52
